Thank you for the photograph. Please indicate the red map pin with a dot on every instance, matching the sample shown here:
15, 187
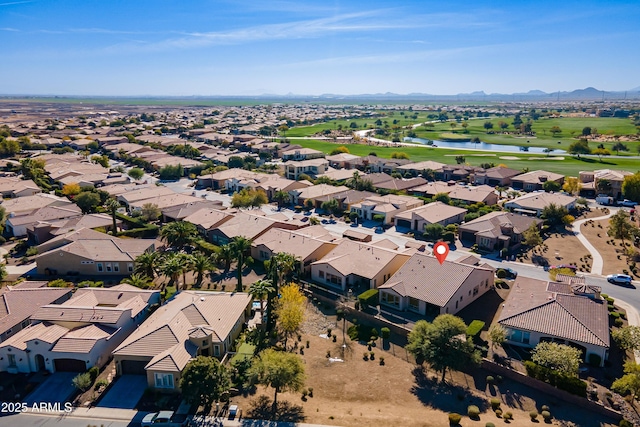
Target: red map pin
441, 250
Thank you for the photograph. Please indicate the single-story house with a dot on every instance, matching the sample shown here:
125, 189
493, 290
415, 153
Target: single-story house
567, 312
495, 177
388, 206
426, 287
534, 180
534, 203
496, 230
17, 225
207, 219
312, 167
251, 226
189, 325
417, 219
15, 187
79, 333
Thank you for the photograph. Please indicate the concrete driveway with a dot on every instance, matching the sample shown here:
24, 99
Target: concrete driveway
125, 393
57, 388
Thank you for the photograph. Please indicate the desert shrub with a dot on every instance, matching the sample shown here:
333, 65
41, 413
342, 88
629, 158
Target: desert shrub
614, 315
609, 300
533, 415
94, 371
546, 415
82, 381
385, 333
489, 425
454, 419
473, 411
32, 251
625, 423
102, 382
498, 413
495, 403
618, 322
58, 283
508, 416
501, 273
544, 408
490, 379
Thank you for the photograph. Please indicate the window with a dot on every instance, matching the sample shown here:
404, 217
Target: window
216, 350
475, 291
12, 360
164, 380
205, 343
391, 299
526, 336
99, 267
130, 267
8, 332
116, 267
108, 265
25, 323
414, 304
321, 273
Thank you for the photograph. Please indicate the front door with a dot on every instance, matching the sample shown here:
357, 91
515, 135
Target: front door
40, 363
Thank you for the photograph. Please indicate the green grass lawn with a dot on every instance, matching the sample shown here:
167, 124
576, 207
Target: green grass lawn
568, 166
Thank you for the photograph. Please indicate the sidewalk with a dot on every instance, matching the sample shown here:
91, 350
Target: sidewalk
598, 263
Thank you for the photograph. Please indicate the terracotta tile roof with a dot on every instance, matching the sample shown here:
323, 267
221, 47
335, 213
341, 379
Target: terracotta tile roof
533, 307
424, 278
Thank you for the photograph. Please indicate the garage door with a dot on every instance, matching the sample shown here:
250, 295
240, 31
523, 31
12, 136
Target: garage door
403, 223
133, 367
69, 365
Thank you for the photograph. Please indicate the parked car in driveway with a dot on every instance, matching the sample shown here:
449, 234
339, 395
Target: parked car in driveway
163, 419
628, 203
619, 279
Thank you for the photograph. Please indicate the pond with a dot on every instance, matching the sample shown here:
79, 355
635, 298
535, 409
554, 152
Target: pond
463, 145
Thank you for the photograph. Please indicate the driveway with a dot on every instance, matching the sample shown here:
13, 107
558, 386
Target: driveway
57, 388
125, 393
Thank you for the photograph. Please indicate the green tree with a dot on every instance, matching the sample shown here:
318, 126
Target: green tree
531, 236
399, 155
619, 146
619, 226
433, 232
630, 382
558, 357
339, 150
460, 160
488, 126
603, 186
555, 130
150, 212
101, 160
147, 264
579, 147
204, 381
601, 152
9, 147
551, 186
82, 381
178, 234
112, 206
3, 271
442, 197
241, 246
331, 205
627, 337
225, 256
249, 198
278, 269
282, 198
138, 280
497, 335
442, 344
172, 266
87, 201
135, 173
201, 264
631, 187
259, 290
280, 370
572, 185
553, 214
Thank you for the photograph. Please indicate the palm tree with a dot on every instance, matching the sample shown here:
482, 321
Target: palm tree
259, 289
354, 181
226, 256
138, 280
188, 262
179, 234
201, 263
282, 198
240, 246
112, 205
147, 264
171, 267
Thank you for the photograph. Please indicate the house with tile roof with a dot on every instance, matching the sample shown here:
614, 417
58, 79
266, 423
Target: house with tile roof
496, 176
534, 203
615, 179
251, 225
90, 253
79, 333
18, 303
534, 180
566, 311
496, 230
12, 186
356, 265
18, 225
388, 206
424, 286
417, 219
191, 324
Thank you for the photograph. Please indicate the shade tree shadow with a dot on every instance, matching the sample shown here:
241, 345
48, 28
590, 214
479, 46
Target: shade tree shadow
446, 397
262, 409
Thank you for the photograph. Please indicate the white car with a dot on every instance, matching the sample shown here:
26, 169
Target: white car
162, 419
619, 279
628, 203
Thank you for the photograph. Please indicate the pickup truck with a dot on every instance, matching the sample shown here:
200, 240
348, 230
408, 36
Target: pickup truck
164, 419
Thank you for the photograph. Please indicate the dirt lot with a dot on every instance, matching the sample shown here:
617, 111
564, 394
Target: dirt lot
559, 248
358, 392
610, 249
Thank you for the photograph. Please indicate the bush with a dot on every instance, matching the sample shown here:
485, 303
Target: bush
490, 379
508, 416
489, 425
570, 384
533, 415
546, 415
58, 283
610, 307
82, 381
614, 315
368, 298
94, 371
32, 251
473, 411
385, 333
594, 359
501, 273
495, 403
544, 408
618, 322
625, 423
498, 413
102, 382
454, 419
474, 328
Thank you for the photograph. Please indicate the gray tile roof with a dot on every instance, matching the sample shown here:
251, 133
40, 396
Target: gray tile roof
17, 305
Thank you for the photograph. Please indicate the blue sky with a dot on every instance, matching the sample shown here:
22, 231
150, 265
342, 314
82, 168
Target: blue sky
214, 47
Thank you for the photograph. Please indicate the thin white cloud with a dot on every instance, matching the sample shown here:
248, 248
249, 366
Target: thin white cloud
13, 30
15, 2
